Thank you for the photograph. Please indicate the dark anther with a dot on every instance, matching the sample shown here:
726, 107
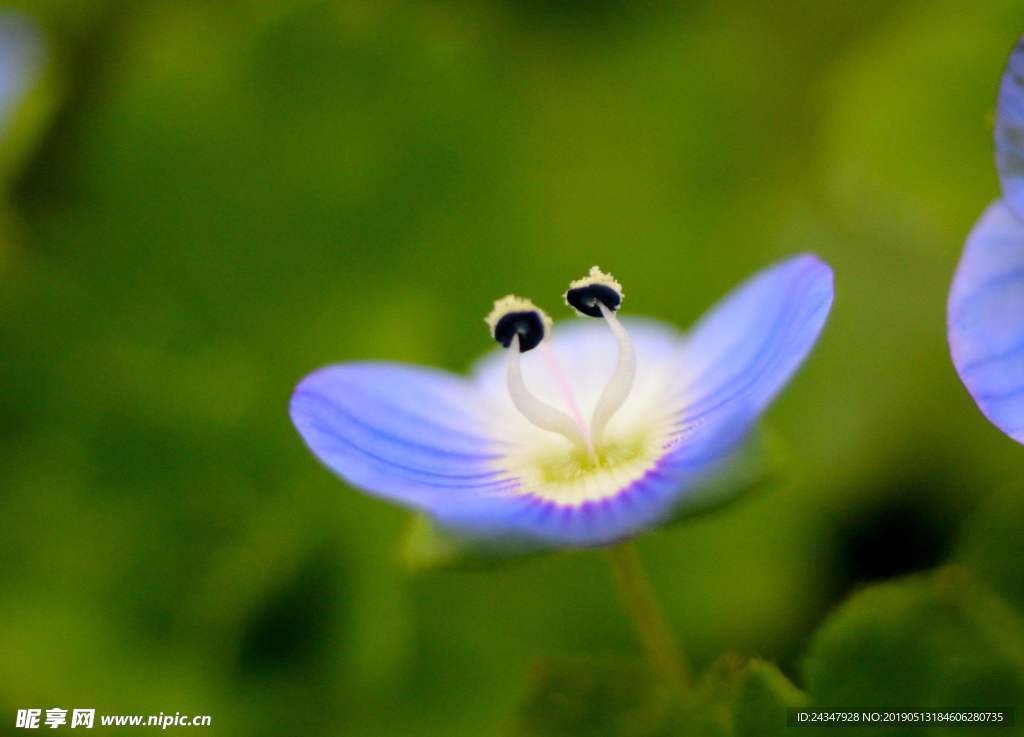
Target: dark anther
528, 325
585, 299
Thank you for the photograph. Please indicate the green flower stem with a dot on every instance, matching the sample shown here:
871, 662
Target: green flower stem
648, 618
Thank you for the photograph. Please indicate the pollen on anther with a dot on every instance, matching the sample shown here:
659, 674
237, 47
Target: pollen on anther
513, 316
596, 287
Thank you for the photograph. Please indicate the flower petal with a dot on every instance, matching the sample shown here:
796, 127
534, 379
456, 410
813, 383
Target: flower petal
985, 318
405, 433
639, 505
416, 436
1009, 130
748, 346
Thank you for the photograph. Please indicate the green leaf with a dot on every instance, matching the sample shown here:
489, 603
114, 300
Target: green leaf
941, 641
622, 697
761, 705
737, 697
707, 711
597, 697
992, 546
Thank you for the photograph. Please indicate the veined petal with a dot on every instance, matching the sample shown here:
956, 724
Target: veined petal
639, 504
985, 318
749, 345
1009, 130
402, 432
418, 437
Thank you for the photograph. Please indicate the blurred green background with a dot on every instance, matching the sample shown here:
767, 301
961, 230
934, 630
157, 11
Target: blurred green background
209, 200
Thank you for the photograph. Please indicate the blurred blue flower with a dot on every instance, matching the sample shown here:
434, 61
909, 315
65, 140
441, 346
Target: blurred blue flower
492, 457
985, 311
1009, 130
21, 58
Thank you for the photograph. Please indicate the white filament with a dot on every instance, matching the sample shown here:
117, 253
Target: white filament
533, 409
621, 383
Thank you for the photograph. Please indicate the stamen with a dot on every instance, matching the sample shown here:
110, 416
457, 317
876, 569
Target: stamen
513, 315
621, 383
596, 287
533, 409
598, 294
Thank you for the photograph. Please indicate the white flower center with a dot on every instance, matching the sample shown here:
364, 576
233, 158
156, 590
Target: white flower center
572, 426
611, 448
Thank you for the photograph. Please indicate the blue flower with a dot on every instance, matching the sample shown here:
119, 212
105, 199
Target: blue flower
985, 312
1009, 130
508, 454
